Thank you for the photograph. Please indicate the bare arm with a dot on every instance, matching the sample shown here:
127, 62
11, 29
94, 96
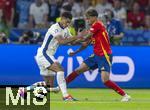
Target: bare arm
74, 40
85, 42
65, 40
84, 46
86, 36
118, 36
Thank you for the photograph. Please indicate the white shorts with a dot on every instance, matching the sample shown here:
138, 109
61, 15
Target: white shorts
44, 63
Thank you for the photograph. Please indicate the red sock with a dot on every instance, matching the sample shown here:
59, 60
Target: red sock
71, 77
115, 87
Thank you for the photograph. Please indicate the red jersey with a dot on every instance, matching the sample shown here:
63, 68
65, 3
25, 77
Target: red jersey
100, 39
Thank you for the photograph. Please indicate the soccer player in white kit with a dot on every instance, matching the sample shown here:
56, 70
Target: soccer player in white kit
57, 34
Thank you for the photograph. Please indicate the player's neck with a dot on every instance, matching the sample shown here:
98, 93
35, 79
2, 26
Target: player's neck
96, 20
61, 25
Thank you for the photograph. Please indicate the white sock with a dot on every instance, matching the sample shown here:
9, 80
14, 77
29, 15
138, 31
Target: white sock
62, 83
54, 89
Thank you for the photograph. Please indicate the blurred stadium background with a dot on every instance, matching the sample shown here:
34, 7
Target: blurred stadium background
22, 28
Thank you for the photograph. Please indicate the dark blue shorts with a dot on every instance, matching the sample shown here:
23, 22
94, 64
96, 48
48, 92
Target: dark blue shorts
100, 62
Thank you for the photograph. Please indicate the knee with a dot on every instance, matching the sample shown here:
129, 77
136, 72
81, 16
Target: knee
58, 67
83, 67
78, 71
105, 80
104, 77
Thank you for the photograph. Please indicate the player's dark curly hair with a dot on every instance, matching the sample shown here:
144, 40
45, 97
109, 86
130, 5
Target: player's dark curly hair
91, 12
66, 15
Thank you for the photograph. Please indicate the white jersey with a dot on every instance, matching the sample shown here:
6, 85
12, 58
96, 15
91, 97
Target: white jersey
50, 43
45, 54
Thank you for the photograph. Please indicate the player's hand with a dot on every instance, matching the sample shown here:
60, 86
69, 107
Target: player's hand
80, 37
71, 53
81, 33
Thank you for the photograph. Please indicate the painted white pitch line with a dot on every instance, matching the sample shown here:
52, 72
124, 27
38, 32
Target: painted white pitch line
60, 102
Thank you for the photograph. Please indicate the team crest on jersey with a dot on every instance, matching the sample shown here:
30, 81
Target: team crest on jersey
92, 29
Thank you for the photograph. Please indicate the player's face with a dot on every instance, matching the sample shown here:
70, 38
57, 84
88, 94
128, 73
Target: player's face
90, 20
66, 22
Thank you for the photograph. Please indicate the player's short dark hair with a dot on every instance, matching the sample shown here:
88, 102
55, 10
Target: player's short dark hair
111, 13
91, 13
66, 15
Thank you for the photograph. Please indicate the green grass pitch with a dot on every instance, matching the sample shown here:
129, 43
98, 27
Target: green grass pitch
101, 99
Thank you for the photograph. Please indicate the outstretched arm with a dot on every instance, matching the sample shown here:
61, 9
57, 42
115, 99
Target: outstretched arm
84, 46
81, 37
65, 40
85, 36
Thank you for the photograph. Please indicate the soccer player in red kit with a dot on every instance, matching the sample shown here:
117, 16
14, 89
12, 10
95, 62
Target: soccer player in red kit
102, 57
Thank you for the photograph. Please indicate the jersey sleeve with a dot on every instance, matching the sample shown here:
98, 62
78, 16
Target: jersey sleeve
95, 28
